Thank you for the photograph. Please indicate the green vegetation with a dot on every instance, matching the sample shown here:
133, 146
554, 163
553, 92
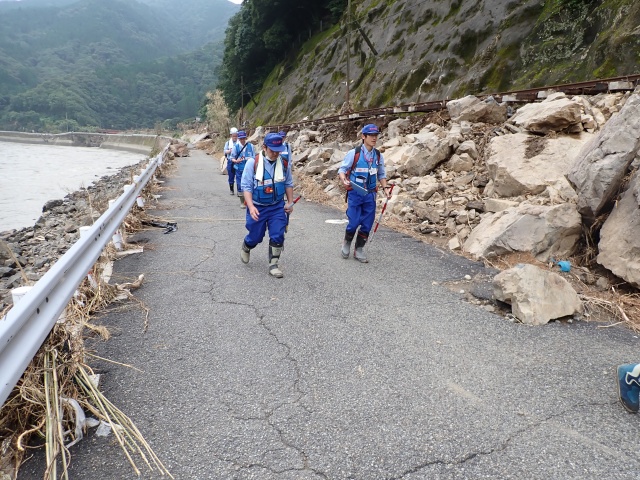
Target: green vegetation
75, 65
469, 41
455, 8
260, 36
498, 77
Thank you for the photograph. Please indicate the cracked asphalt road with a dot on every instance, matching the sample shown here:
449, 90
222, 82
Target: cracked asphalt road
342, 370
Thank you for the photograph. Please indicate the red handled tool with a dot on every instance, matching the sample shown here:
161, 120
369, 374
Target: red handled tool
286, 228
384, 207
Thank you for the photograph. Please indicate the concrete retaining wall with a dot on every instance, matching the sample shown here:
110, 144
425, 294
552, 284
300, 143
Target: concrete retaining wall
129, 142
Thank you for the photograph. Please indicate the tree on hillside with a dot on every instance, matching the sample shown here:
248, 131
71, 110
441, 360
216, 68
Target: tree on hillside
261, 35
217, 114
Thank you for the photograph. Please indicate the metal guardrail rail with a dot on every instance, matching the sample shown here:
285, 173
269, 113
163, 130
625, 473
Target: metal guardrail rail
29, 322
592, 87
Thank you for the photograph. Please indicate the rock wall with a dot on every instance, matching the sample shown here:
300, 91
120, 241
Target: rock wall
430, 49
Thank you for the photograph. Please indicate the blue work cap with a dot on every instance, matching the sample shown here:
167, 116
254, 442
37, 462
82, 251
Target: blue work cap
370, 129
282, 133
274, 142
242, 134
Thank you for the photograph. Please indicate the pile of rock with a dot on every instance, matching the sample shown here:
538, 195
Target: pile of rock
494, 181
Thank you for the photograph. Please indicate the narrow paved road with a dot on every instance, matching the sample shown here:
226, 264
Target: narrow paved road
342, 370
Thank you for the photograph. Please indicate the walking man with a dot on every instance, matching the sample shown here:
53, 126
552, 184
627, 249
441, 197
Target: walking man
242, 151
228, 149
266, 182
287, 155
360, 172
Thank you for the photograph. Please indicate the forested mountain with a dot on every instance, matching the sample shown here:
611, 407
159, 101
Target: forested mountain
424, 50
264, 33
110, 64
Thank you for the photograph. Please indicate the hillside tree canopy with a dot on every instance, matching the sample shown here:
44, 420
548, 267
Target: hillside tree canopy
262, 34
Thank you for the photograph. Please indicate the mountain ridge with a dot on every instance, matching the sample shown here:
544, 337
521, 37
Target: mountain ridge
88, 63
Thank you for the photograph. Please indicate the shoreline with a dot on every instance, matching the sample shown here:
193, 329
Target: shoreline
39, 246
136, 143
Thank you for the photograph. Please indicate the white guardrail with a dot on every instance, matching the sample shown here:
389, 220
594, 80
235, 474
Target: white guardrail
29, 322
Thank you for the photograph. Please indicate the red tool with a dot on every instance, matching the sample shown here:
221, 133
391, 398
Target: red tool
384, 207
286, 228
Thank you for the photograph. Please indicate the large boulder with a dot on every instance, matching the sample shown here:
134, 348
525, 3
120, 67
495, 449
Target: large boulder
394, 155
604, 161
315, 166
396, 127
536, 296
421, 158
456, 107
472, 109
319, 157
257, 135
427, 187
549, 116
544, 231
487, 111
620, 237
522, 164
332, 172
460, 163
301, 141
468, 147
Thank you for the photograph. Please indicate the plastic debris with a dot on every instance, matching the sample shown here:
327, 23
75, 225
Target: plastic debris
80, 419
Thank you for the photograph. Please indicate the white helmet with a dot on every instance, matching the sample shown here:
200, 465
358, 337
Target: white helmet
233, 130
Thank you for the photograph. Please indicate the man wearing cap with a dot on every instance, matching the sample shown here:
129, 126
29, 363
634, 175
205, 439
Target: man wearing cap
228, 149
242, 151
360, 172
287, 153
266, 182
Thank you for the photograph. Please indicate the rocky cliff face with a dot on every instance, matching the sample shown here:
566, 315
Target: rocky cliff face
433, 49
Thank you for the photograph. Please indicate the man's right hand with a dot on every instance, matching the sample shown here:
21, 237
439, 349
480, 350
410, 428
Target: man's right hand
253, 211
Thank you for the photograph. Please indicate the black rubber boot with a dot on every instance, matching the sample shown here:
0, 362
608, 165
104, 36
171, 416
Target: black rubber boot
231, 188
358, 253
346, 244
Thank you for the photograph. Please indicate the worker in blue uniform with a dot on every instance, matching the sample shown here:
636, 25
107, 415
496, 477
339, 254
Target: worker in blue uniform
287, 155
242, 151
629, 386
228, 148
360, 172
266, 182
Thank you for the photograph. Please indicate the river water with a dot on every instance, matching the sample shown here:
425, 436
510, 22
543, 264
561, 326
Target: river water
31, 175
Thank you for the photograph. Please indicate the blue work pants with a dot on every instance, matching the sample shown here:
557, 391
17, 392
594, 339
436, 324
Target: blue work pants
271, 216
231, 171
239, 178
361, 212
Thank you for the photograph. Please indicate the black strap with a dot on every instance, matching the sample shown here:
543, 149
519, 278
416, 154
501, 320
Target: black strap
242, 150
